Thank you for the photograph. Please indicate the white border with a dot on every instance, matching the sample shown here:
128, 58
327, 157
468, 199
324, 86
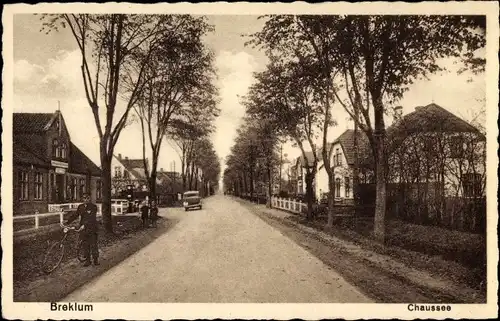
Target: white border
244, 311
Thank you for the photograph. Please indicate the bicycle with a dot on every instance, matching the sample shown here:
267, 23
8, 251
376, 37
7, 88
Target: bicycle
55, 254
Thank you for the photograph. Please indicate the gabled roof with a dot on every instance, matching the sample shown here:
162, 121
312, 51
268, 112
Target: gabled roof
134, 166
302, 160
31, 122
34, 143
29, 145
346, 140
81, 164
24, 155
430, 118
168, 176
171, 182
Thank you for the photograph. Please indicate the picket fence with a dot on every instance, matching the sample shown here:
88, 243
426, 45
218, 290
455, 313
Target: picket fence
288, 204
118, 207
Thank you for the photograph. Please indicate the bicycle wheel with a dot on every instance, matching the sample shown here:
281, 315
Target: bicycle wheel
80, 253
53, 257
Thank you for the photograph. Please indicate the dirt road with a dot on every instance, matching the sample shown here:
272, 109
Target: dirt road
223, 253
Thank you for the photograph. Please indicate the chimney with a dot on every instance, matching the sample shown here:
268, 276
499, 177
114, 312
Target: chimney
161, 169
120, 156
398, 113
126, 158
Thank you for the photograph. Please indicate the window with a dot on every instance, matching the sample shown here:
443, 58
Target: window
126, 174
347, 186
472, 184
74, 187
63, 150
337, 187
23, 185
55, 148
98, 189
456, 147
118, 172
338, 157
82, 187
429, 144
38, 186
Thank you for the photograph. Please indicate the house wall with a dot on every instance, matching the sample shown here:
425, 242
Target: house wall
30, 205
415, 162
341, 171
119, 183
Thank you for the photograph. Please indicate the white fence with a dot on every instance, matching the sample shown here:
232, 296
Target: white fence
118, 207
288, 204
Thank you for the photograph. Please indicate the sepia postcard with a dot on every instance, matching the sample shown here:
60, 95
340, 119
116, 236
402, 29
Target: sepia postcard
250, 160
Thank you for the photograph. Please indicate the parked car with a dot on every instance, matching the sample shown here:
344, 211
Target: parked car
191, 199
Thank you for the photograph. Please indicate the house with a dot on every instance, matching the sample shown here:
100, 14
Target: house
436, 169
298, 172
169, 182
126, 171
434, 147
48, 167
343, 160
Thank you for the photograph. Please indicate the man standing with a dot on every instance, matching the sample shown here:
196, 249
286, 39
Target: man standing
88, 226
145, 213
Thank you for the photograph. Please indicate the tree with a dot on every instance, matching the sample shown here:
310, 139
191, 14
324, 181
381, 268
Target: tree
178, 86
113, 47
377, 58
207, 166
183, 135
253, 159
285, 94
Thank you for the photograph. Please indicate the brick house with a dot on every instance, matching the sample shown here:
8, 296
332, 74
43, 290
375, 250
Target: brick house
48, 168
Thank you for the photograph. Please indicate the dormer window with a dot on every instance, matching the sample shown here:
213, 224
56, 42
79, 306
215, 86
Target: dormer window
55, 148
338, 157
118, 172
64, 151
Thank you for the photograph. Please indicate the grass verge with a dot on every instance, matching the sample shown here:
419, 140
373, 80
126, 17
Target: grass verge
32, 285
385, 274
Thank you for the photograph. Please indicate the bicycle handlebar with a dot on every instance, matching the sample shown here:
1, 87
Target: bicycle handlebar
68, 227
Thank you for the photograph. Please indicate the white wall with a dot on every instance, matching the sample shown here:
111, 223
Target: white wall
339, 171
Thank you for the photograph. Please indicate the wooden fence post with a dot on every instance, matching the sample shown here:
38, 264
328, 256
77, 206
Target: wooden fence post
37, 220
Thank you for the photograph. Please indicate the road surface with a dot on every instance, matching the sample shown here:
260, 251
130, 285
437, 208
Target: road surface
221, 254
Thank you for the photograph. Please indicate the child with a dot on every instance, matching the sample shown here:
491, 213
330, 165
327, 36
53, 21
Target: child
153, 213
144, 213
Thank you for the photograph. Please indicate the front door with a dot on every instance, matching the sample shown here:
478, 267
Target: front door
59, 188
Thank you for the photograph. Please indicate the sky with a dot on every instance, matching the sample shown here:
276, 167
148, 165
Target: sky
46, 73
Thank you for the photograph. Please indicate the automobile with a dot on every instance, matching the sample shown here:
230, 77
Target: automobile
191, 199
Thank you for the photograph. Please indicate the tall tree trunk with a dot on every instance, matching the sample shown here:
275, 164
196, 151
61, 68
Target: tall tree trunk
331, 198
191, 176
270, 185
196, 178
251, 183
380, 198
245, 183
309, 193
106, 189
183, 170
